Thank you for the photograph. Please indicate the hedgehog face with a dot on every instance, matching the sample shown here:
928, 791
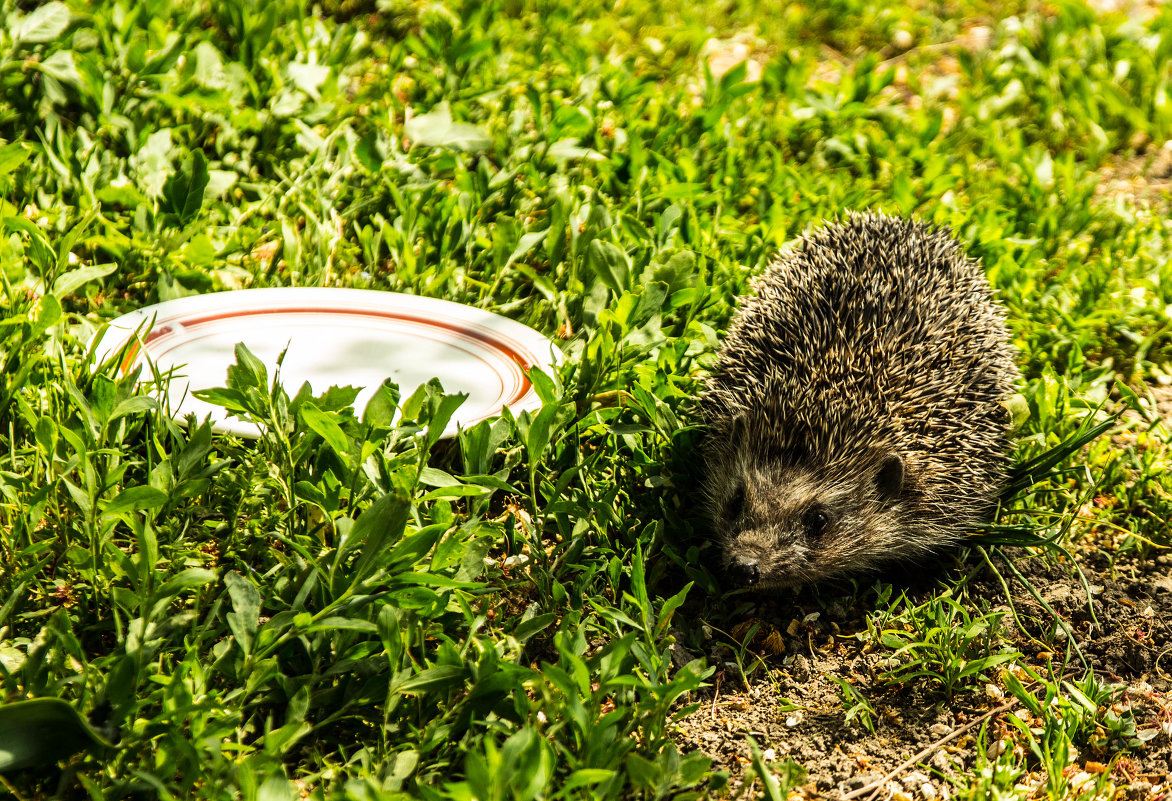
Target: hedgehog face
782, 527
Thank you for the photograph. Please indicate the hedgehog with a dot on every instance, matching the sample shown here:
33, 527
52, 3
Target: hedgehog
856, 413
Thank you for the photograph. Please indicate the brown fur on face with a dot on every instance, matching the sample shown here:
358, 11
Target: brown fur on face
863, 384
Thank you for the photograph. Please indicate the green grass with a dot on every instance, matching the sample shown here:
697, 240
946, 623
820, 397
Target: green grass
338, 609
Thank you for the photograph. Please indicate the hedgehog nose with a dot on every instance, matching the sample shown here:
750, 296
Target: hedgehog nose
744, 571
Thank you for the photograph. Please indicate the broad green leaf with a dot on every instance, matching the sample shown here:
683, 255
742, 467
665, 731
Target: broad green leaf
41, 732
540, 281
152, 162
278, 788
337, 623
437, 129
610, 264
136, 499
1080, 697
147, 558
308, 77
195, 452
336, 399
472, 565
43, 24
459, 491
537, 435
491, 482
525, 244
248, 372
667, 223
209, 66
668, 609
441, 416
229, 399
219, 182
568, 149
136, 404
543, 384
183, 191
46, 433
12, 156
529, 763
412, 549
46, 314
382, 406
120, 192
187, 579
431, 580
1027, 698
644, 773
42, 253
62, 67
587, 776
430, 679
533, 625
325, 426
246, 602
413, 405
434, 477
375, 530
390, 632
70, 282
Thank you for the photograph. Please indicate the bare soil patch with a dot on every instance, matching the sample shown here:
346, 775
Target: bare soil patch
792, 706
1144, 178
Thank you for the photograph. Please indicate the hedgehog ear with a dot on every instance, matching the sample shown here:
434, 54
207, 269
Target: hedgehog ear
889, 477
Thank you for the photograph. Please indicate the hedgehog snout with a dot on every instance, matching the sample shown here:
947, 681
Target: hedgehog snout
744, 570
763, 558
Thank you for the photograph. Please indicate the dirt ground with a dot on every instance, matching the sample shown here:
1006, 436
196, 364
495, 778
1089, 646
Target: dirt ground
792, 706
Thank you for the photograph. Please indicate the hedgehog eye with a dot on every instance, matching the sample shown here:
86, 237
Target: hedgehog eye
736, 504
889, 478
816, 521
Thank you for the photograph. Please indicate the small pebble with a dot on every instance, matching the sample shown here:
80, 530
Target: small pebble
897, 794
